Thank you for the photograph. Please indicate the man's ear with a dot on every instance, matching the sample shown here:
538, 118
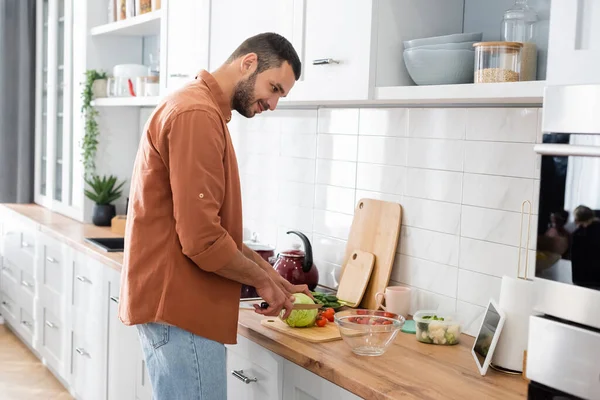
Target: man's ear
248, 63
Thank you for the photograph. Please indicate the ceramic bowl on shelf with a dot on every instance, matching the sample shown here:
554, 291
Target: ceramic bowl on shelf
368, 332
445, 46
454, 38
440, 67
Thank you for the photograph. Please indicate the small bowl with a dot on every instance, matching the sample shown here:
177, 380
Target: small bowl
445, 46
454, 38
368, 332
444, 330
440, 67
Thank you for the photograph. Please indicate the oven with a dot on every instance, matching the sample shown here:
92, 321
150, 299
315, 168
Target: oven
563, 358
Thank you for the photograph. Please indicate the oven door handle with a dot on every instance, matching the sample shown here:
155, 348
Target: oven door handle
567, 150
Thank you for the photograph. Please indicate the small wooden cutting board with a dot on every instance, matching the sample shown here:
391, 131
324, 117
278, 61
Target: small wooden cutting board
355, 278
314, 334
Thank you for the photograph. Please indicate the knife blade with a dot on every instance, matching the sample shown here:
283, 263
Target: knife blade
265, 305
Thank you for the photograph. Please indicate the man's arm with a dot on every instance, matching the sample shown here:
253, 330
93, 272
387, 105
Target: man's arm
193, 149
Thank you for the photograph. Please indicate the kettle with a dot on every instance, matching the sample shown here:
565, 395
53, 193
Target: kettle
296, 266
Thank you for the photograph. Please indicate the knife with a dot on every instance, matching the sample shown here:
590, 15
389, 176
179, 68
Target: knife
265, 305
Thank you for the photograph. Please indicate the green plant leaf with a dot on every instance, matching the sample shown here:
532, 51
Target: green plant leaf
103, 190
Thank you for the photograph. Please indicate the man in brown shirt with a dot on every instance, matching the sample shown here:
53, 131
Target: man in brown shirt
184, 257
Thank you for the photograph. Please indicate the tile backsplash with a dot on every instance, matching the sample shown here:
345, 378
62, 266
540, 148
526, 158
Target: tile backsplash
460, 175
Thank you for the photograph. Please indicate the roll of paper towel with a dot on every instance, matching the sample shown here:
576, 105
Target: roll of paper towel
516, 300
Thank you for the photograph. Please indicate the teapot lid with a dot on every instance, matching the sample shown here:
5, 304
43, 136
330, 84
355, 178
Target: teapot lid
255, 245
294, 251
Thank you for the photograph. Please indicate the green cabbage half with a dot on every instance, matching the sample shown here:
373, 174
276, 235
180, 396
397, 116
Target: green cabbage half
301, 318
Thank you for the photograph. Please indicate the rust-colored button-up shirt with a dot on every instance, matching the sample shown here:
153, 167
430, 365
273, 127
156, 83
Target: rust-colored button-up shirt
185, 217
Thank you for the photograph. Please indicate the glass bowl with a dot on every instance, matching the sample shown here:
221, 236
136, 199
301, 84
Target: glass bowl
368, 332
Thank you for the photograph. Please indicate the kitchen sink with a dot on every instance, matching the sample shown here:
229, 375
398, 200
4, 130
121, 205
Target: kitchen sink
108, 244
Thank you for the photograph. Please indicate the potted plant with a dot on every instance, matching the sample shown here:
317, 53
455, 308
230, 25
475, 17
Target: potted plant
103, 192
94, 86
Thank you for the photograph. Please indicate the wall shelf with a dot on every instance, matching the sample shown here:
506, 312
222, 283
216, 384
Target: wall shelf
146, 101
142, 25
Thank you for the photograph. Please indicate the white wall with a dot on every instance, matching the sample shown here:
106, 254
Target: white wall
459, 174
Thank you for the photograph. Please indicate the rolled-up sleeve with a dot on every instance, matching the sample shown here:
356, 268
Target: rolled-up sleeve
195, 146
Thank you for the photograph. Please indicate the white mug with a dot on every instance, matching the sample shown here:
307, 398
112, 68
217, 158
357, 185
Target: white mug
397, 300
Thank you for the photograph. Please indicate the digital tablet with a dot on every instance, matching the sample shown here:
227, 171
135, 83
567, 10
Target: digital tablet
487, 338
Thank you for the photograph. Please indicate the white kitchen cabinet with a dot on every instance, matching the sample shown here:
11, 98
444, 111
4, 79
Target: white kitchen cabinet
229, 29
185, 23
253, 372
574, 42
301, 384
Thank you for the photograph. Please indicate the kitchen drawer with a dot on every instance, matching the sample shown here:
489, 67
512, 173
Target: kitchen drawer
247, 380
53, 265
52, 338
87, 369
8, 274
87, 286
26, 325
27, 287
8, 307
262, 357
19, 252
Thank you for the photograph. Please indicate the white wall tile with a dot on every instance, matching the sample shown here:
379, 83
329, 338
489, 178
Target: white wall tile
365, 194
498, 192
383, 121
488, 258
297, 194
298, 145
429, 245
329, 249
261, 123
265, 143
337, 147
332, 224
441, 123
424, 300
260, 165
432, 215
332, 198
495, 226
381, 178
508, 159
540, 132
297, 121
382, 150
266, 229
329, 274
427, 275
434, 184
287, 241
436, 154
336, 173
470, 316
293, 169
502, 124
476, 288
342, 121
300, 218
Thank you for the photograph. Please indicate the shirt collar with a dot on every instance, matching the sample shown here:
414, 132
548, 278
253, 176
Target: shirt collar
217, 92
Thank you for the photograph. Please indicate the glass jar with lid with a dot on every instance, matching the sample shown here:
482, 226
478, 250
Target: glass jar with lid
497, 62
519, 25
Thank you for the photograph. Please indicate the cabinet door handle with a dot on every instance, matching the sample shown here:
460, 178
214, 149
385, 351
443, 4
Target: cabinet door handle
25, 244
6, 304
51, 260
83, 279
50, 324
82, 352
325, 61
27, 324
26, 284
179, 76
9, 270
115, 299
240, 375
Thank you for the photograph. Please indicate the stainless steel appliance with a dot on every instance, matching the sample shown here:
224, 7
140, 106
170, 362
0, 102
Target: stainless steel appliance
563, 359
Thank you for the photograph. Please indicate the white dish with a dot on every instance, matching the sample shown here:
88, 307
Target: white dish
454, 38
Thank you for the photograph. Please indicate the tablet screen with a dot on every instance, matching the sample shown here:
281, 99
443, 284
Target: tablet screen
486, 334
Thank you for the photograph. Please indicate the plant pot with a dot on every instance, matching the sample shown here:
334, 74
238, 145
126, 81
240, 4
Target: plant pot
103, 214
99, 88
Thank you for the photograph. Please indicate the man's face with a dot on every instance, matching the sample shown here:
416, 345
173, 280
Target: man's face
259, 92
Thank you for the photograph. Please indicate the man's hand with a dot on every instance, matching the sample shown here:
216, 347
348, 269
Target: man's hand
275, 297
289, 288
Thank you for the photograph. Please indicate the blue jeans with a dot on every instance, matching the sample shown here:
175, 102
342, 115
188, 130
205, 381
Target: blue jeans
182, 365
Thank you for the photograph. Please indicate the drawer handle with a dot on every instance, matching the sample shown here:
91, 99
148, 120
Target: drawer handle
240, 375
27, 324
179, 76
82, 352
115, 299
325, 61
83, 279
51, 260
9, 270
26, 284
25, 244
50, 324
6, 304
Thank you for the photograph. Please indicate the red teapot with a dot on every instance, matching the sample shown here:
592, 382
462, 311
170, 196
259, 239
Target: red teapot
296, 266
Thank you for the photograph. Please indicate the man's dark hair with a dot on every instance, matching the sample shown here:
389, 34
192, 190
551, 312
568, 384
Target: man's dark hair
272, 50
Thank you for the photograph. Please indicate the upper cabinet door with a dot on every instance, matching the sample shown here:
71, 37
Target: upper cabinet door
233, 21
574, 42
337, 48
186, 40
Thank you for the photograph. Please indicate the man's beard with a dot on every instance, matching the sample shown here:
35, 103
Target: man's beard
243, 96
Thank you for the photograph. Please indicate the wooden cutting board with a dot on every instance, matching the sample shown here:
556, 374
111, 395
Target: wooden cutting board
376, 230
357, 273
314, 334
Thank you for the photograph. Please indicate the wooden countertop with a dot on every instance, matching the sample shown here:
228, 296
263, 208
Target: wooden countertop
408, 370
